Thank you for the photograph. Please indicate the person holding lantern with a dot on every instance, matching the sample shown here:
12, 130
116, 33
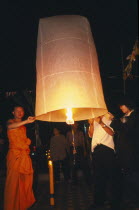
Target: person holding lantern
103, 159
127, 149
18, 187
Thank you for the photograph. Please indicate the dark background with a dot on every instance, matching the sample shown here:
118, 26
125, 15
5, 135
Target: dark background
114, 26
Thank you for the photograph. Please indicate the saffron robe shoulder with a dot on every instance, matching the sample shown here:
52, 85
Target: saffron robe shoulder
18, 155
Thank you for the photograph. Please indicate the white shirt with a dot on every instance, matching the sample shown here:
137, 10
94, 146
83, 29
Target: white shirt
100, 136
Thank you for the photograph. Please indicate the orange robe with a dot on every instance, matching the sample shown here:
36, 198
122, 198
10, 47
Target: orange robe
18, 188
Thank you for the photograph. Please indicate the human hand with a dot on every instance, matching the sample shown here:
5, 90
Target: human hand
98, 119
123, 119
111, 116
30, 119
91, 121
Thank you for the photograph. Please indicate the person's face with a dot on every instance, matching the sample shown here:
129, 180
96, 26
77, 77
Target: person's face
18, 113
124, 109
56, 132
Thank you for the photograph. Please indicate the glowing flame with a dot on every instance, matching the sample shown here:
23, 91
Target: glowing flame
69, 119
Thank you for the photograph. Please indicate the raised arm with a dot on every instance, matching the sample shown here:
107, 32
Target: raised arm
13, 124
108, 129
91, 128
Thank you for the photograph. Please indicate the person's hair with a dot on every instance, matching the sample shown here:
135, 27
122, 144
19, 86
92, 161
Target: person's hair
127, 102
16, 106
56, 129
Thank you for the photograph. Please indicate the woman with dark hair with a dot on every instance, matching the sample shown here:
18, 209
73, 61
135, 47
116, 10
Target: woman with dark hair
127, 148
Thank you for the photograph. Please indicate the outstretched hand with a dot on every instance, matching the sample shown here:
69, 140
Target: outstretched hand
99, 119
111, 116
30, 119
91, 121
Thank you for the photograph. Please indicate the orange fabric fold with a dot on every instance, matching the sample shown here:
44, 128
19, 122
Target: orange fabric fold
18, 188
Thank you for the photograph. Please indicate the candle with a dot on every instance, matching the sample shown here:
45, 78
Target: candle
51, 182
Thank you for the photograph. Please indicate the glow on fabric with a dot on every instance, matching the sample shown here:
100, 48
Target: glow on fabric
67, 68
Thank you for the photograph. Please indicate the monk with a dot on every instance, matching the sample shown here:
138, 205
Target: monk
18, 188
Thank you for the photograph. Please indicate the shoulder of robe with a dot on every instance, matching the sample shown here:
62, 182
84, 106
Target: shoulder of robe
10, 121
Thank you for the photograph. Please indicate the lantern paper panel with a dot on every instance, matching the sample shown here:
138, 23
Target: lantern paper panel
67, 70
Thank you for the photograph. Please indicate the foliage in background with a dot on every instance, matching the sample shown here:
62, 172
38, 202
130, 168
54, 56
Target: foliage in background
132, 58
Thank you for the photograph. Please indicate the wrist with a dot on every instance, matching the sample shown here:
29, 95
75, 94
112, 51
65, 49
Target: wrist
91, 124
26, 121
102, 125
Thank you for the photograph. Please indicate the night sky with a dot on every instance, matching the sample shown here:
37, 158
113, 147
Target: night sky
114, 26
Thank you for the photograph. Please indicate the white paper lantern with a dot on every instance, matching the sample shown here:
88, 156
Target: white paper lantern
67, 70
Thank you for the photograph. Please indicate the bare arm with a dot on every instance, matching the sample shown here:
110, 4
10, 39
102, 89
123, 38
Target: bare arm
106, 128
91, 128
12, 124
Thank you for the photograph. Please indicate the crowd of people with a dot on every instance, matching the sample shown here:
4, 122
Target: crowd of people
114, 168
68, 153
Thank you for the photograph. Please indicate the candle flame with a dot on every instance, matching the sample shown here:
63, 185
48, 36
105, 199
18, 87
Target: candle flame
69, 119
49, 162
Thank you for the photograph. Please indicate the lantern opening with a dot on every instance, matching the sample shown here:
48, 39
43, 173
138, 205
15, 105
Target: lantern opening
69, 119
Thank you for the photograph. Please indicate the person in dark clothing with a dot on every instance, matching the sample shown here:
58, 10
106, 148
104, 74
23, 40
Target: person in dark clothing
59, 150
127, 150
76, 139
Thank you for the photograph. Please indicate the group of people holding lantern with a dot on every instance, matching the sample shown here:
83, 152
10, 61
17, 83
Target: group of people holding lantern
115, 159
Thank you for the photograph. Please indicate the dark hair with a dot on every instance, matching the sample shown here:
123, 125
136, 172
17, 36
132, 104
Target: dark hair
129, 103
57, 128
17, 105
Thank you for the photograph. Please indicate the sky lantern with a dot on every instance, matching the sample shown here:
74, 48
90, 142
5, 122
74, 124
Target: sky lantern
68, 79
